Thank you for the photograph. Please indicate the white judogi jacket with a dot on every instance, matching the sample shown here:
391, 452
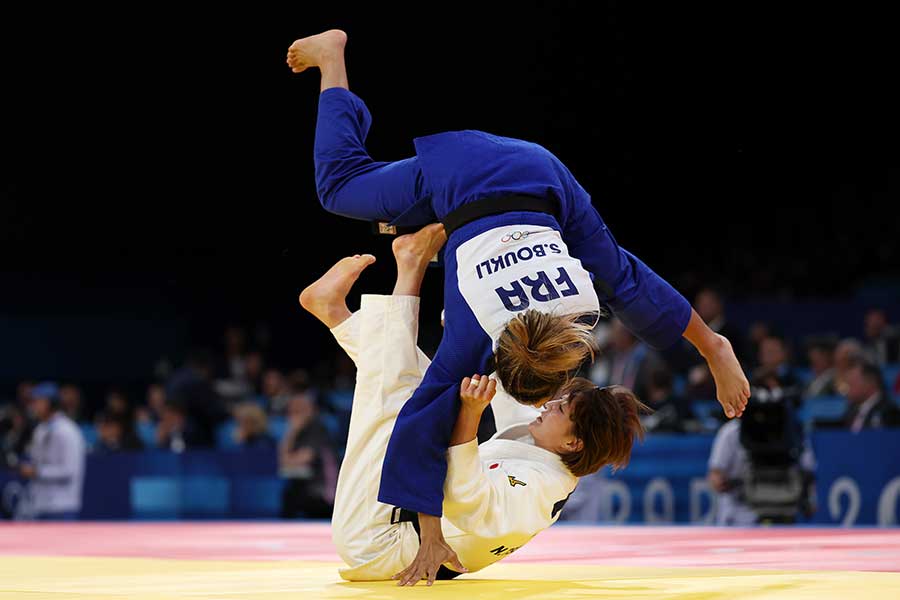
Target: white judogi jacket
499, 495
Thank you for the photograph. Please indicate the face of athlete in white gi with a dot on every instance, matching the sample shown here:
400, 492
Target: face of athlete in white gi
553, 429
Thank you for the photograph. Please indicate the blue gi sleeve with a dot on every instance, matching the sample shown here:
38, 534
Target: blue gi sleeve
645, 303
415, 463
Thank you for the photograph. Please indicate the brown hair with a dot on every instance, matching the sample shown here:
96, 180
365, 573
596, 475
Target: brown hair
607, 421
538, 352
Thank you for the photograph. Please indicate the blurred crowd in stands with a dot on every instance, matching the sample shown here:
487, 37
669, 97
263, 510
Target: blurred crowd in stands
232, 398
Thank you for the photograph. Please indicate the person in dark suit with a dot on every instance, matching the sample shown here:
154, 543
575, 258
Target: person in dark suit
882, 340
870, 404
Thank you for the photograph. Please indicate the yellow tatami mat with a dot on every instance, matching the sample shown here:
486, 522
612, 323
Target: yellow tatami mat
70, 578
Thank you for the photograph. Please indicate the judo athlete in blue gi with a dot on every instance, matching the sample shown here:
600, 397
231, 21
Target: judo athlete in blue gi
526, 251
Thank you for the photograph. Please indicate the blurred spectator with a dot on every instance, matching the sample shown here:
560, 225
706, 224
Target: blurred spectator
175, 431
700, 384
711, 308
115, 435
774, 357
820, 353
118, 406
869, 405
882, 340
56, 464
70, 402
275, 391
298, 380
155, 403
235, 366
253, 371
670, 412
307, 461
727, 467
252, 426
684, 358
625, 361
190, 389
759, 331
847, 354
23, 394
15, 431
117, 403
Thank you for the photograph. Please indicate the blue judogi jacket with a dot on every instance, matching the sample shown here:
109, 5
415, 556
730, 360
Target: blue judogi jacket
490, 275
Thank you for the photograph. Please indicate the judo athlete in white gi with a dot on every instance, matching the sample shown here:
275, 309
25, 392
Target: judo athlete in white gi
497, 496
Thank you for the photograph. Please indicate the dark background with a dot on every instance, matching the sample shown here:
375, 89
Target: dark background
157, 162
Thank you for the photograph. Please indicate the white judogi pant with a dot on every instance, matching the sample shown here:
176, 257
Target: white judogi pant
497, 496
389, 368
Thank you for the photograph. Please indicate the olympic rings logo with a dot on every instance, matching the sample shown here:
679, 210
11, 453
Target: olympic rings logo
515, 236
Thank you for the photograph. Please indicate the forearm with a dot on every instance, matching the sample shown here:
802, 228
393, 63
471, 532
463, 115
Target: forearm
466, 427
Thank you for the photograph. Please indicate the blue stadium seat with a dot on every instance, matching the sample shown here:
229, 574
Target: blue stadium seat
341, 400
155, 497
147, 433
225, 435
331, 422
679, 384
804, 374
205, 497
89, 432
277, 427
709, 413
823, 408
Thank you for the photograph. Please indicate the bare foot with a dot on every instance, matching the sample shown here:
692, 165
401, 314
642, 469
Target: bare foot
732, 388
314, 50
326, 298
415, 250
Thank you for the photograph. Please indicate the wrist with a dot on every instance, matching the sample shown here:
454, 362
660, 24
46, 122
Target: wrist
429, 527
471, 411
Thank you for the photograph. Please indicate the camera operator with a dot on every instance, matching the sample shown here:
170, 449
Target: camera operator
760, 465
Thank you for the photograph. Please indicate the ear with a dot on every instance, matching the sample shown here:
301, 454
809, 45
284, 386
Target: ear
575, 445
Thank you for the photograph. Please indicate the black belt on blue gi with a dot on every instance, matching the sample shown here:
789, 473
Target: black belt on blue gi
401, 515
497, 205
480, 208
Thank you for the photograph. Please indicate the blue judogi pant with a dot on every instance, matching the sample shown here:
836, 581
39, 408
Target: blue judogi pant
451, 169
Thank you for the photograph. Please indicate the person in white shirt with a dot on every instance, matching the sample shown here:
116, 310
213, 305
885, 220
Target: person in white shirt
497, 496
57, 457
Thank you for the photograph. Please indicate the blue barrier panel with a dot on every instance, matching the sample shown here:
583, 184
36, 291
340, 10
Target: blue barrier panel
858, 477
156, 497
205, 497
256, 497
858, 482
